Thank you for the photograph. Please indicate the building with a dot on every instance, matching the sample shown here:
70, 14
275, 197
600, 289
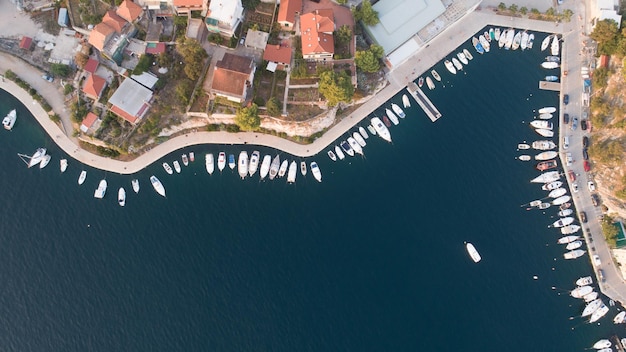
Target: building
63, 19
287, 13
224, 16
129, 11
277, 56
26, 43
256, 39
91, 66
186, 6
113, 20
316, 30
88, 121
100, 35
94, 86
232, 77
608, 10
131, 101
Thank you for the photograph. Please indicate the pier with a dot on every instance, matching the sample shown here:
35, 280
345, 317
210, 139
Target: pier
423, 101
553, 86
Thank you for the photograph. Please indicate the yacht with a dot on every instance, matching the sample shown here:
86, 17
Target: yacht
554, 47
547, 110
381, 130
472, 252
158, 186
9, 120
599, 313
574, 245
63, 165
584, 281
563, 221
346, 148
620, 318
339, 153
435, 76
44, 161
283, 168
221, 161
577, 253
176, 166
231, 161
209, 163
461, 56
254, 162
541, 124
546, 177
331, 155
185, 160
450, 67
121, 197
398, 110
355, 146
293, 172
135, 184
467, 54
547, 155
316, 171
359, 139
581, 291
35, 158
303, 168
392, 117
265, 166
101, 190
82, 177
274, 167
405, 101
592, 307
457, 64
243, 164
569, 229
363, 132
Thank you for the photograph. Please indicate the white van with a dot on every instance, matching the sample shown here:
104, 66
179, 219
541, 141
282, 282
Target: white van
565, 142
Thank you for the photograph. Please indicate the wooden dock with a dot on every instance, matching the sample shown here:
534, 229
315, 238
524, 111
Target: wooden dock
553, 86
423, 101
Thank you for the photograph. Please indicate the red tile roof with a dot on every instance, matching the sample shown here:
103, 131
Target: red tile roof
114, 21
91, 66
89, 120
316, 30
188, 3
129, 11
26, 42
123, 114
155, 48
231, 74
277, 53
99, 35
94, 85
287, 11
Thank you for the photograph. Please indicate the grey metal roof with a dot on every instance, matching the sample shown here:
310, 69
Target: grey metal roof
131, 97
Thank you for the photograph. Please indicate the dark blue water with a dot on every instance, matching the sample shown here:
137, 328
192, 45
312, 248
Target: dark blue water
372, 259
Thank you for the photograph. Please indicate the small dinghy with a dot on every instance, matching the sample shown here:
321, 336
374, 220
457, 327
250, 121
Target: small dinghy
363, 132
332, 155
135, 184
63, 165
303, 167
523, 146
121, 197
371, 129
524, 157
405, 99
471, 250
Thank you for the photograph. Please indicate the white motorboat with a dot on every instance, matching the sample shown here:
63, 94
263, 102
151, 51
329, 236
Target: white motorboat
590, 297
398, 110
554, 47
604, 343
405, 101
457, 64
436, 75
556, 193
574, 245
359, 139
569, 229
535, 203
231, 161
472, 252
274, 167
209, 163
381, 129
462, 58
157, 185
563, 221
363, 132
543, 145
524, 157
544, 206
581, 291
551, 78
450, 67
185, 159
265, 166
591, 307
167, 168
303, 168
524, 42
484, 42
544, 132
82, 177
550, 65
565, 212
497, 34
577, 253
467, 54
135, 184
392, 117
254, 162
510, 37
316, 171
545, 116
546, 177
502, 40
371, 129
63, 165
283, 168
9, 120
545, 42
552, 185
345, 146
541, 124
430, 83
192, 157
531, 41
293, 172
599, 313
517, 40
562, 200
567, 239
44, 161
585, 280
547, 110
523, 146
339, 153
242, 167
331, 155
176, 166
221, 161
620, 318
101, 190
355, 145
121, 197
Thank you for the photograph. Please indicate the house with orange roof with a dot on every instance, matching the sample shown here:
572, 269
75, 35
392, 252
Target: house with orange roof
88, 121
232, 77
94, 86
100, 35
277, 56
186, 6
287, 13
316, 30
113, 20
129, 11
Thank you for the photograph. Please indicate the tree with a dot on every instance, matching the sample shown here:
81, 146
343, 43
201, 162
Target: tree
60, 70
184, 90
366, 14
273, 107
567, 14
605, 33
377, 50
523, 10
343, 34
248, 118
513, 8
336, 87
81, 59
609, 230
369, 60
193, 55
534, 11
501, 6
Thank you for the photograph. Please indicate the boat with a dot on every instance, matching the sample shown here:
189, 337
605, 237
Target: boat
574, 245
472, 252
467, 54
430, 83
517, 40
523, 146
604, 343
545, 116
547, 155
157, 185
563, 221
545, 42
386, 121
359, 139
497, 33
9, 120
479, 48
355, 145
392, 117
551, 78
565, 206
185, 160
561, 200
591, 307
483, 41
121, 196
502, 40
531, 41
303, 168
546, 177
44, 161
398, 110
167, 168
524, 157
535, 203
345, 146
293, 172
265, 166
546, 165
541, 124
176, 166
435, 75
371, 129
544, 132
363, 132
316, 171
577, 253
283, 168
549, 65
584, 281
556, 193
581, 291
221, 161
510, 37
405, 100
592, 296
620, 318
192, 157
552, 185
209, 163
569, 229
543, 145
254, 162
339, 153
554, 47
63, 165
567, 239
524, 42
231, 161
599, 313
242, 165
331, 155
420, 82
462, 58
566, 212
492, 34
274, 167
381, 130
457, 64
553, 59
35, 158
101, 190
82, 177
547, 110
135, 184
544, 206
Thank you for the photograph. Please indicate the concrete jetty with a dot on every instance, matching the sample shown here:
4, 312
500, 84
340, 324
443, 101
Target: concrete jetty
553, 86
423, 101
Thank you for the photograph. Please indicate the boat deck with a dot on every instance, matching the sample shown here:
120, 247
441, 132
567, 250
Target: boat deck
423, 101
553, 86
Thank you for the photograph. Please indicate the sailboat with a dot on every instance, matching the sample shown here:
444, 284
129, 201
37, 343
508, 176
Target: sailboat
545, 43
35, 159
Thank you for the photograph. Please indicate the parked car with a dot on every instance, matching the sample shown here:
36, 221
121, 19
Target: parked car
601, 275
586, 166
583, 125
568, 159
583, 217
565, 142
48, 77
566, 118
591, 186
596, 260
571, 175
575, 187
566, 99
574, 123
585, 154
595, 200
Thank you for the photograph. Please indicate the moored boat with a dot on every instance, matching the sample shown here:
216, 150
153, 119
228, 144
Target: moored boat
524, 42
544, 206
565, 212
581, 291
386, 121
457, 64
345, 146
545, 43
543, 145
121, 197
101, 190
569, 229
35, 159
523, 146
381, 129
420, 82
316, 171
551, 78
44, 161
157, 185
524, 157
577, 253
531, 41
574, 245
135, 184
392, 117
339, 153
510, 37
265, 166
471, 250
293, 172
82, 177
497, 34
430, 83
185, 160
209, 163
562, 200
552, 185
467, 54
253, 165
553, 59
9, 121
563, 221
541, 124
221, 161
546, 177
331, 155
599, 313
554, 46
620, 318
405, 100
549, 65
545, 116
398, 110
63, 165
176, 166
547, 110
547, 155
566, 240
371, 129
556, 193
167, 168
492, 34
546, 165
363, 132
502, 39
359, 139
517, 40
544, 132
479, 48
242, 167
283, 168
591, 307
192, 157
484, 43
303, 168
584, 281
231, 161
355, 145
604, 343
462, 58
435, 75
274, 167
